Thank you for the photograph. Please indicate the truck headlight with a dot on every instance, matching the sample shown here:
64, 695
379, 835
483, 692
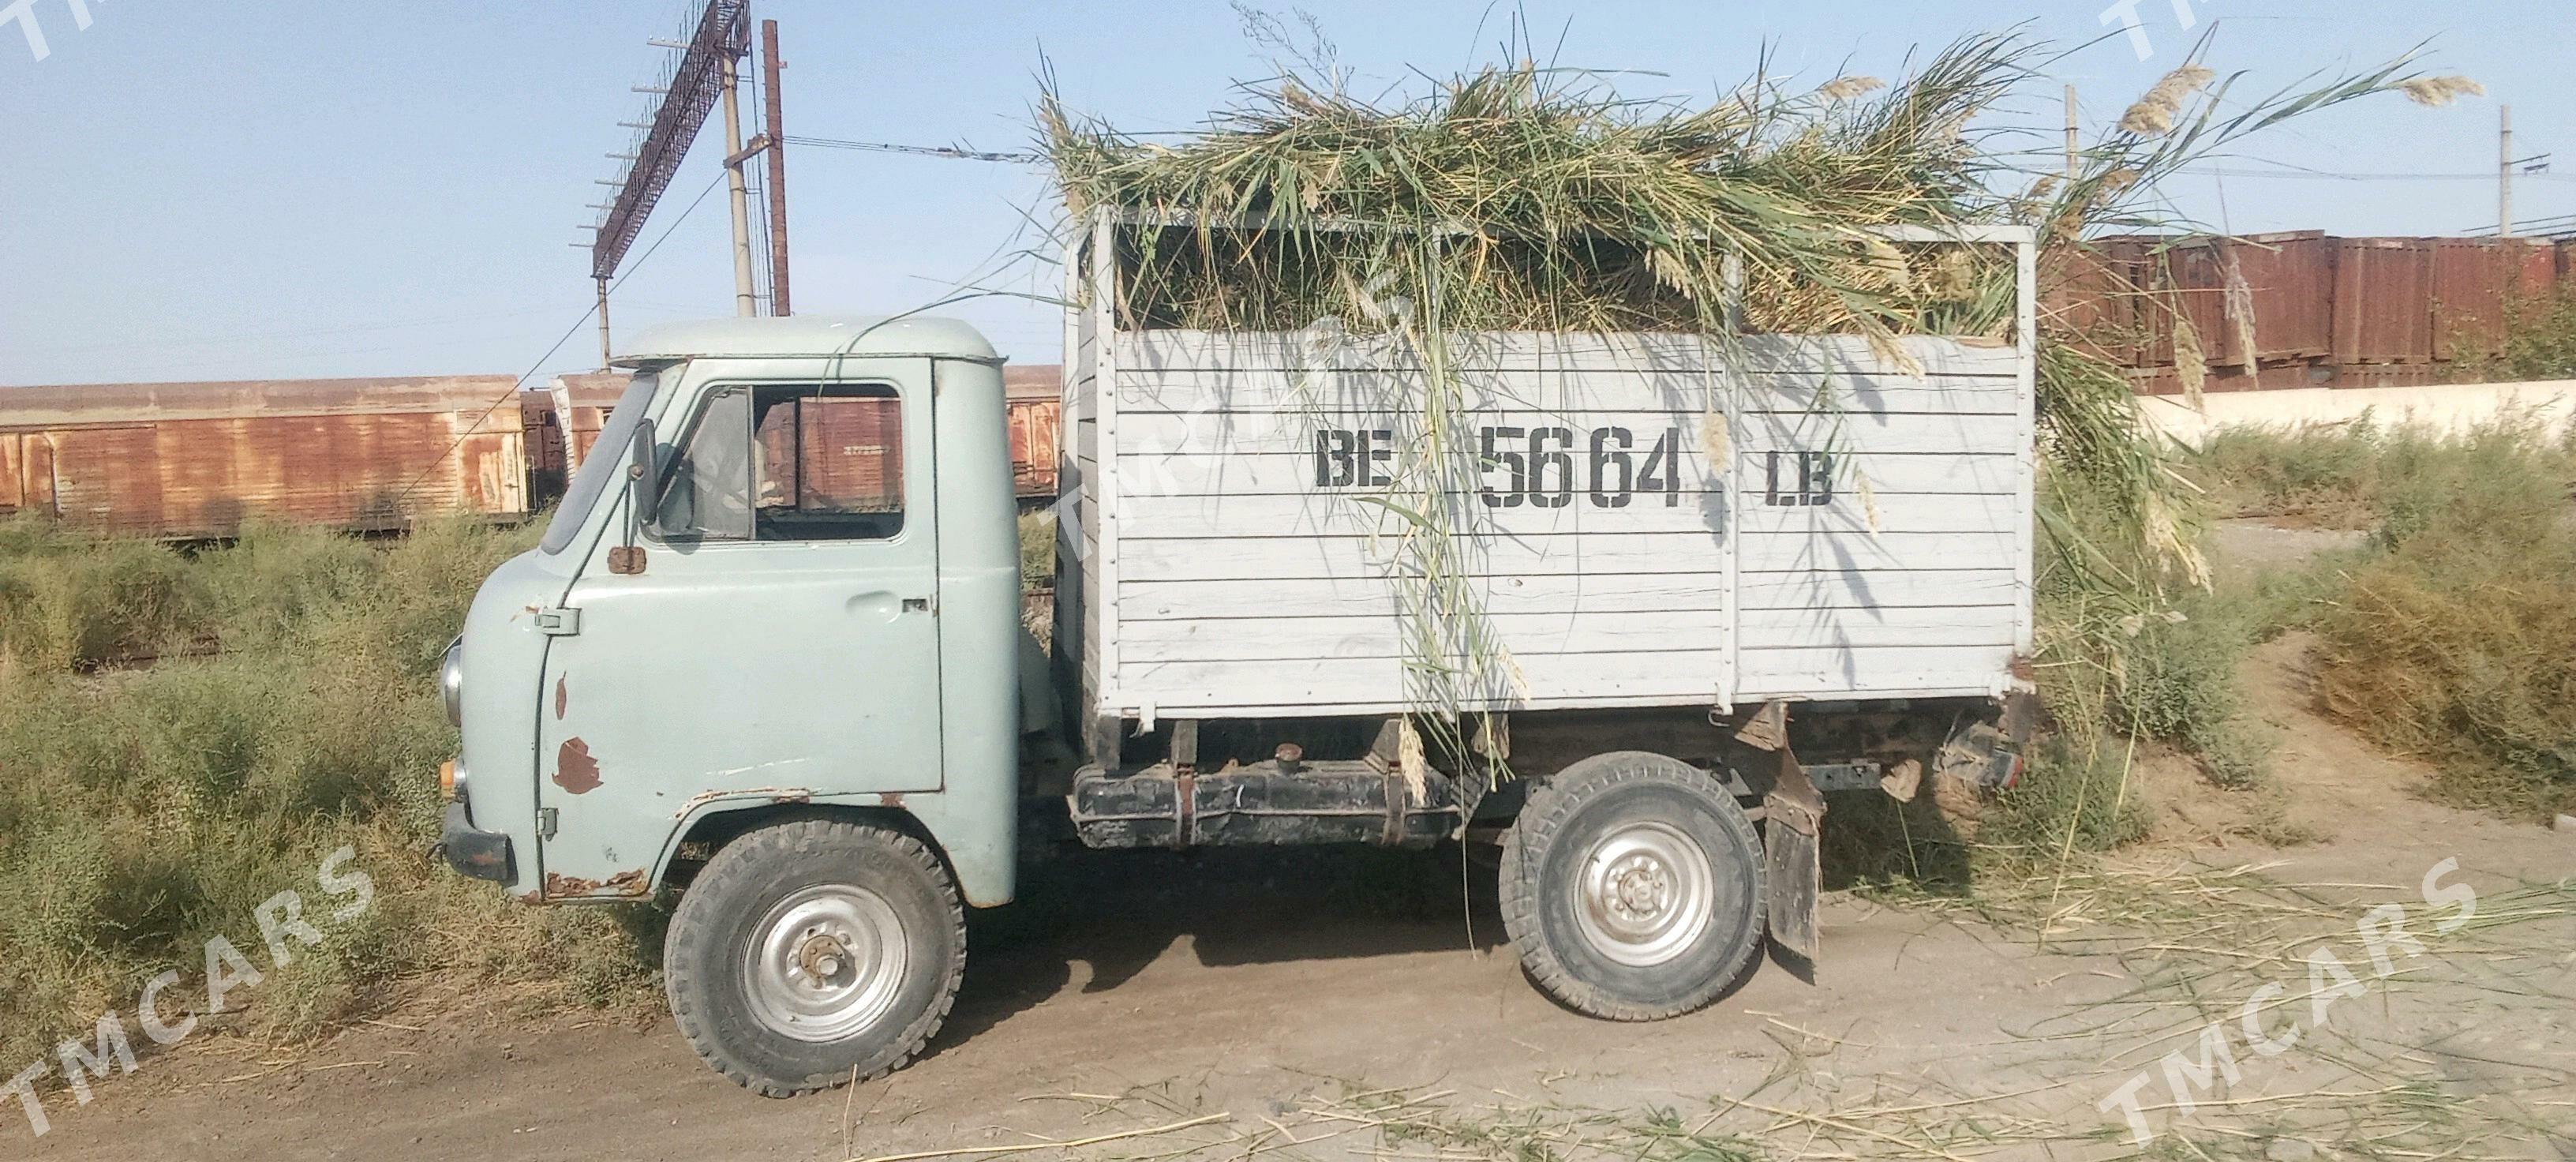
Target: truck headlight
451, 682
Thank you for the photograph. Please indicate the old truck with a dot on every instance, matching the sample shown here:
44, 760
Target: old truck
770, 656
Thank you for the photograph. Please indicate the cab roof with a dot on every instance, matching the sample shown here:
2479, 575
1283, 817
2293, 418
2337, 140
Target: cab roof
808, 335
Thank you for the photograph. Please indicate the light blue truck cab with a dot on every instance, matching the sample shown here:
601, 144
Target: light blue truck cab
781, 596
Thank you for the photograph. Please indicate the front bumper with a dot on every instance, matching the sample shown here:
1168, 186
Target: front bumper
484, 855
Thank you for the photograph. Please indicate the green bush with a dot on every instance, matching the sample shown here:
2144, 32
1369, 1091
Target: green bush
1037, 550
2458, 643
2181, 686
2327, 476
81, 602
286, 710
2079, 796
2453, 636
2132, 644
2539, 342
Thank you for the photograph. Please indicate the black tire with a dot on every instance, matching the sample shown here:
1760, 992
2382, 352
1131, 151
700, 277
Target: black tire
707, 954
1612, 799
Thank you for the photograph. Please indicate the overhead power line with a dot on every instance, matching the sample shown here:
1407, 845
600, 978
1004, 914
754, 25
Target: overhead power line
2328, 175
569, 332
952, 152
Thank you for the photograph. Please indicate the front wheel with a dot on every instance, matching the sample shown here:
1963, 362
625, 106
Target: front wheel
1632, 887
813, 953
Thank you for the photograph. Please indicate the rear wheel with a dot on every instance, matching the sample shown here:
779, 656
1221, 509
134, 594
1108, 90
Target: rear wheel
1632, 887
813, 953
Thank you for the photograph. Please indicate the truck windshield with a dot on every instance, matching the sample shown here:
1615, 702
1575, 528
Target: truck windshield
604, 462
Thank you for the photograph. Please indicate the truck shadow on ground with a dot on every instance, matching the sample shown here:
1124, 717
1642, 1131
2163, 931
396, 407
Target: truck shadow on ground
1117, 912
1870, 840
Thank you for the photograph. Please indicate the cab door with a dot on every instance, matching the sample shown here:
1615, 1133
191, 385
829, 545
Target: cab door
781, 641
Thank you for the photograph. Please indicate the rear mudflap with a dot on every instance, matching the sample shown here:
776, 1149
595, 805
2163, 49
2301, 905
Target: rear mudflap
1794, 813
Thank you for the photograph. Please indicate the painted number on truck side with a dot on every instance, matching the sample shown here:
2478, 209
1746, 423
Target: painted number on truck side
1543, 467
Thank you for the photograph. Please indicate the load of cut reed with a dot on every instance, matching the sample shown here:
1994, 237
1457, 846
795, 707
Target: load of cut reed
1527, 198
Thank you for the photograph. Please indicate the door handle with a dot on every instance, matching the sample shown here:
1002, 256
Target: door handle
885, 606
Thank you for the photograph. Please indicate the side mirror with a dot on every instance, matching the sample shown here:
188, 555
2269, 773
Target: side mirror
643, 499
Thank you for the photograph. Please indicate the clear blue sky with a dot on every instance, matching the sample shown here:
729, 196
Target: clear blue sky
321, 187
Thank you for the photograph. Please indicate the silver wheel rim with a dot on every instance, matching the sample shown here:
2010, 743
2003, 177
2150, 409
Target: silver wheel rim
826, 963
1645, 893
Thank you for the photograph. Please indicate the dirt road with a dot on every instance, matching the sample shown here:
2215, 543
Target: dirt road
1171, 988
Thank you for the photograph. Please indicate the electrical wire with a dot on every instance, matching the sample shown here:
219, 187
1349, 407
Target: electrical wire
521, 383
2325, 175
951, 152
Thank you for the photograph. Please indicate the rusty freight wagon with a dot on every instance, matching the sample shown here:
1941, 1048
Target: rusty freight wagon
200, 459
1030, 400
560, 423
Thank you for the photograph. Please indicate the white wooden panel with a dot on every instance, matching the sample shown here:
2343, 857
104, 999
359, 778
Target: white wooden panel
1296, 475
2026, 374
1831, 672
1352, 684
1289, 558
1087, 513
1382, 636
1844, 552
1258, 433
1226, 518
1989, 435
1349, 596
1881, 589
1239, 587
1625, 631
1850, 514
1295, 558
1880, 394
1086, 338
1293, 473
1100, 500
1521, 350
1897, 473
1367, 390
1944, 625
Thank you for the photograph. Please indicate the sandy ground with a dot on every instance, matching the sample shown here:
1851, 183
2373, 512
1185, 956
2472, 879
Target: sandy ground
1261, 994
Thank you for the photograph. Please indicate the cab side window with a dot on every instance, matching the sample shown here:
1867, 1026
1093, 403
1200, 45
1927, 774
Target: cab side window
790, 463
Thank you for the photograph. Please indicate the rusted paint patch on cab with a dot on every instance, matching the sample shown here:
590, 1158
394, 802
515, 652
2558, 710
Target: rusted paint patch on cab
575, 771
890, 799
562, 696
625, 883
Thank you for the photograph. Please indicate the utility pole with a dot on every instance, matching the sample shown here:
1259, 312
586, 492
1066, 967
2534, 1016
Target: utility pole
604, 349
2504, 178
746, 302
777, 134
2071, 144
